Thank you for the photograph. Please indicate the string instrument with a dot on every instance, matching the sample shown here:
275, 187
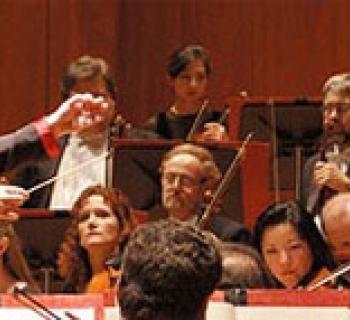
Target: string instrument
223, 186
120, 127
330, 277
198, 134
322, 274
274, 144
334, 149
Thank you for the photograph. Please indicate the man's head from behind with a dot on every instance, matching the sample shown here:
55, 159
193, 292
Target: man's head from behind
168, 271
336, 225
188, 171
243, 268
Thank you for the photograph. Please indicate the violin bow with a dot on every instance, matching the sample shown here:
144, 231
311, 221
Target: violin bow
197, 121
224, 114
334, 275
274, 140
222, 188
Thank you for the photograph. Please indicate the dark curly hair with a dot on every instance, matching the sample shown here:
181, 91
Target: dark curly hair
73, 261
169, 268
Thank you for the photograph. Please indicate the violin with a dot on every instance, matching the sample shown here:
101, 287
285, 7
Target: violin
222, 187
120, 127
325, 278
211, 131
322, 274
331, 172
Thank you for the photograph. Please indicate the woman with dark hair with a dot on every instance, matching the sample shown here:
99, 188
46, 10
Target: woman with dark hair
101, 224
291, 245
188, 72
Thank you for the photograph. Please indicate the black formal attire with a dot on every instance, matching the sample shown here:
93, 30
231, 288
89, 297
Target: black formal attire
34, 173
224, 228
312, 197
20, 146
169, 125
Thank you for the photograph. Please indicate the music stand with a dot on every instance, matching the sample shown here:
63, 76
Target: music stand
41, 232
298, 125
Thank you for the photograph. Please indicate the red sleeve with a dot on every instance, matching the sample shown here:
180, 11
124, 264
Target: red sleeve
49, 141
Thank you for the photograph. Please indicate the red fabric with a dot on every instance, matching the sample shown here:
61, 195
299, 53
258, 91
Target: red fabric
298, 298
49, 141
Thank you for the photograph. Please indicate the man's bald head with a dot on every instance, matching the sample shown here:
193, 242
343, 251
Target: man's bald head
336, 225
339, 205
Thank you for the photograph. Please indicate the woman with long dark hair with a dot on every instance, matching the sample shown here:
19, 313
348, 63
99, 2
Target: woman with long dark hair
291, 245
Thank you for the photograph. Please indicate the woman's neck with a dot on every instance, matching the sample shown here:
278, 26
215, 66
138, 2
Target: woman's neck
184, 107
98, 257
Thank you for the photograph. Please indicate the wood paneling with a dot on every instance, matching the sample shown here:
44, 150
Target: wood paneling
265, 47
23, 61
79, 27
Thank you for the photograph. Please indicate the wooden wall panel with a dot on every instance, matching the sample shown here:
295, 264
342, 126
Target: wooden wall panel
151, 32
292, 47
148, 30
79, 27
264, 47
23, 62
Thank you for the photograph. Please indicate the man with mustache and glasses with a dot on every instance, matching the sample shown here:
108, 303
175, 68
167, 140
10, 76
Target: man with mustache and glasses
188, 172
327, 173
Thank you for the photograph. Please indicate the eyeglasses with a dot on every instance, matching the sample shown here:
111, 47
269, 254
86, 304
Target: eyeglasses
339, 107
182, 180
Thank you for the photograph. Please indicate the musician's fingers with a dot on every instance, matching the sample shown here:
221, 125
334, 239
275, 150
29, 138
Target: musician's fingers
214, 127
320, 178
319, 165
213, 131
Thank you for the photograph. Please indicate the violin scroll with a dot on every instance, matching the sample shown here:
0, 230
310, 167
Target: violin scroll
120, 127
